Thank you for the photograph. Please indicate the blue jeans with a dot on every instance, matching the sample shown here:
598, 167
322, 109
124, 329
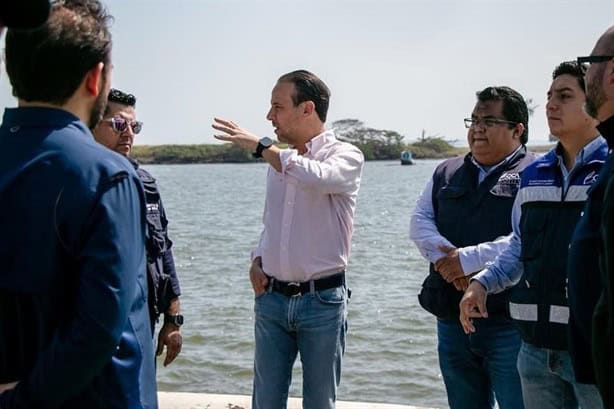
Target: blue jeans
313, 325
548, 381
478, 367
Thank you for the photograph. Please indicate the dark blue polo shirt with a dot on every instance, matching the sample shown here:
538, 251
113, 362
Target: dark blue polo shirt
74, 325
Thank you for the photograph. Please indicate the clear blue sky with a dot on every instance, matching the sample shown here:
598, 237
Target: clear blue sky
402, 65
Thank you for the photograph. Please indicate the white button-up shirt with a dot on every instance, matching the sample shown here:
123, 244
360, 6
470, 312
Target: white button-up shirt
425, 235
309, 210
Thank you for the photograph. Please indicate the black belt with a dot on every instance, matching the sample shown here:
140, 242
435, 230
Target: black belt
290, 289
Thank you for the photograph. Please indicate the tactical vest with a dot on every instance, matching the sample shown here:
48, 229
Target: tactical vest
157, 243
538, 303
468, 214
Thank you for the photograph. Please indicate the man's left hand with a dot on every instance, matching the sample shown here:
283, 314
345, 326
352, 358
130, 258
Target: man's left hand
235, 134
449, 266
170, 335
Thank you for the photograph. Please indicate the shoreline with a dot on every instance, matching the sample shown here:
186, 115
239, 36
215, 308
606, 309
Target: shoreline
227, 154
189, 400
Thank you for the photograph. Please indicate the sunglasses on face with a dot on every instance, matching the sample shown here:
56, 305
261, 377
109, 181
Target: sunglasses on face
120, 125
591, 59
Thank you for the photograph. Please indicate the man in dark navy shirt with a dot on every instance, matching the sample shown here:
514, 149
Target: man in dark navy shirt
74, 323
591, 297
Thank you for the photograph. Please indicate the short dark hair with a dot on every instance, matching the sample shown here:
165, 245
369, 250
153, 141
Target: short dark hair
120, 97
514, 106
574, 69
309, 88
48, 64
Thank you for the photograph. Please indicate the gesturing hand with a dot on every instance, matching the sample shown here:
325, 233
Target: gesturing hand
235, 134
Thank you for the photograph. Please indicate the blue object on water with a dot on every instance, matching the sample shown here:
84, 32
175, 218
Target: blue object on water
406, 158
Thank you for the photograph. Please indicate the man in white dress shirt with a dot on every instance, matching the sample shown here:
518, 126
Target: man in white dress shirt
298, 267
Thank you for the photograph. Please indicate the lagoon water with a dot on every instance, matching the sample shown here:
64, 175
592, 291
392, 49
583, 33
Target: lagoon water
215, 216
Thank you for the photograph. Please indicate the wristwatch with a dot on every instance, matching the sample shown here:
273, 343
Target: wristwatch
263, 144
176, 319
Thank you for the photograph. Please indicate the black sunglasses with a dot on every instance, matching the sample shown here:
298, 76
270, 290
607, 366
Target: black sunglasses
594, 58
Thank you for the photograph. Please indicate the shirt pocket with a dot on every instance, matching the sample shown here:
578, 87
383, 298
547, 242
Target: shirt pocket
447, 199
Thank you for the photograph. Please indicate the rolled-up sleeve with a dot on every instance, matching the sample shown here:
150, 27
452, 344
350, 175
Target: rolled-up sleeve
338, 173
475, 258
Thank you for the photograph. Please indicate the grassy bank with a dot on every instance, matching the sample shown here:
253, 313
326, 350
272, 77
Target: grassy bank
226, 153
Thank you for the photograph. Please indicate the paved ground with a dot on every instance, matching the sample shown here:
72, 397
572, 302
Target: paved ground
182, 400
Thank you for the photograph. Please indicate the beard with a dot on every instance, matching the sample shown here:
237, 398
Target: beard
100, 105
595, 97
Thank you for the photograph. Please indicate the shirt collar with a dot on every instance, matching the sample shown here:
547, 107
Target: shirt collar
38, 116
586, 152
317, 142
489, 169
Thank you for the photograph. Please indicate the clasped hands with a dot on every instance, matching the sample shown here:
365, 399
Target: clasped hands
473, 303
450, 268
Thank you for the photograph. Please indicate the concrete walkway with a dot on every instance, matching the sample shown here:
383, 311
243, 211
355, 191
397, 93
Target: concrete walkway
183, 400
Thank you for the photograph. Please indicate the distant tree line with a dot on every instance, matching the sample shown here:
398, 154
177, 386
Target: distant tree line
375, 144
383, 144
225, 153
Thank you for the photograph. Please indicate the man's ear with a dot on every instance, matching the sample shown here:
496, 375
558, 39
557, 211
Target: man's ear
308, 108
519, 130
94, 80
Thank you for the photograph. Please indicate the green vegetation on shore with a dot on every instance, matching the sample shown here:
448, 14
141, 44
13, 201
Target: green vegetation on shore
375, 144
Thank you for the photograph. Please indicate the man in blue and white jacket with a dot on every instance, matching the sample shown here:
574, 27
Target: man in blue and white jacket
552, 193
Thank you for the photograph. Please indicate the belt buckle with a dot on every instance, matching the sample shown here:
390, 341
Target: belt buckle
292, 289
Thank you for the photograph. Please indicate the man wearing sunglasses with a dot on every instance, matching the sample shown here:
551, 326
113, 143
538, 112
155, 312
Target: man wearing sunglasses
591, 295
116, 131
552, 193
461, 222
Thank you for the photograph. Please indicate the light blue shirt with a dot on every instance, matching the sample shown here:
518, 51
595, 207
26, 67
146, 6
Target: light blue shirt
423, 230
507, 270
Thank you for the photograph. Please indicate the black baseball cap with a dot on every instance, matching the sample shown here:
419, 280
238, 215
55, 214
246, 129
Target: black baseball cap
23, 14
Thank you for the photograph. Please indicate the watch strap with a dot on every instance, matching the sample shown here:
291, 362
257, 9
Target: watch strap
175, 319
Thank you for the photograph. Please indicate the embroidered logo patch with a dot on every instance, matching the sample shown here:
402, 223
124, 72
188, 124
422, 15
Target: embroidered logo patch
590, 178
509, 179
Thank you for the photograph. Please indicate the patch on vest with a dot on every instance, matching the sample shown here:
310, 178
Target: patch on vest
509, 179
541, 182
591, 178
152, 207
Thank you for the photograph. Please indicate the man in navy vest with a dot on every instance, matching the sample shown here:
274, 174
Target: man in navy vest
116, 131
591, 298
552, 193
460, 223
